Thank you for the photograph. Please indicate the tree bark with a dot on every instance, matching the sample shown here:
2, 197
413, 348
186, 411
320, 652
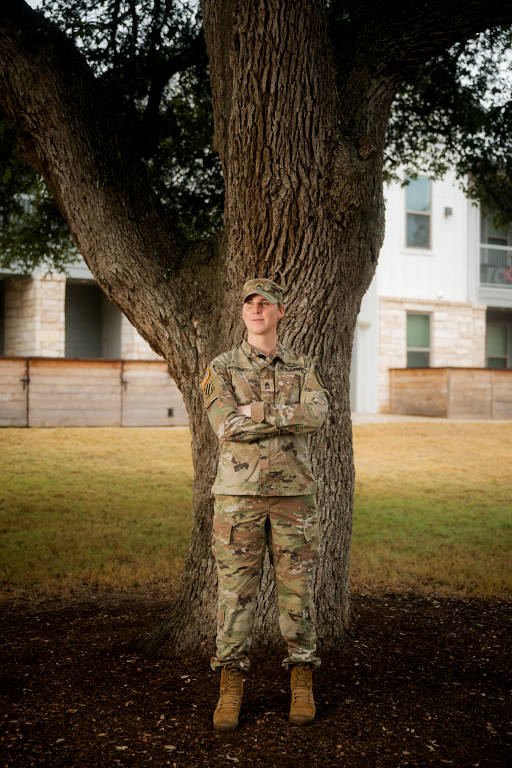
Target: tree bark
301, 145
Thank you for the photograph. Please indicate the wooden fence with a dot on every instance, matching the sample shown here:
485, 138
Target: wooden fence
456, 393
56, 392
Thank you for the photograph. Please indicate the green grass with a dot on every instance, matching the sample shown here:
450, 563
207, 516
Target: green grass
433, 508
426, 541
83, 509
109, 509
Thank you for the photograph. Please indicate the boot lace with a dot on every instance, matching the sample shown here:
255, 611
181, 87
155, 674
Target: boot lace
302, 690
231, 691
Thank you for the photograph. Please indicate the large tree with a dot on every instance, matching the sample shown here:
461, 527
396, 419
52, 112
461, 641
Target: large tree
301, 95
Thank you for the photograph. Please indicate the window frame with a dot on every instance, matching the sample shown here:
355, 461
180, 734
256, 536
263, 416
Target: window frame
484, 244
428, 349
408, 211
506, 356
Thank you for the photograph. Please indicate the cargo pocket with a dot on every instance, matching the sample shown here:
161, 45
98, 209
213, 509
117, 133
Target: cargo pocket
221, 534
311, 534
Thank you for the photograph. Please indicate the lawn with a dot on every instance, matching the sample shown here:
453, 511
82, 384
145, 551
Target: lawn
433, 507
109, 509
85, 509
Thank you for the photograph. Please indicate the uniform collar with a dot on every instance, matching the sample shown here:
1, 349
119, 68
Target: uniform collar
280, 352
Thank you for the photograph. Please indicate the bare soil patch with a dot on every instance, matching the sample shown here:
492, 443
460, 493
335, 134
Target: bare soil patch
421, 681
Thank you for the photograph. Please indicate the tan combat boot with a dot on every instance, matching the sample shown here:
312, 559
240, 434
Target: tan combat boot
302, 708
225, 717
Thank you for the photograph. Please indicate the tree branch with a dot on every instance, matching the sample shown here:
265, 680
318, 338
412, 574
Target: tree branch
437, 25
161, 73
399, 35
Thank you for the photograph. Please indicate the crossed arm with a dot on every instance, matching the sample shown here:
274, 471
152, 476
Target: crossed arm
255, 421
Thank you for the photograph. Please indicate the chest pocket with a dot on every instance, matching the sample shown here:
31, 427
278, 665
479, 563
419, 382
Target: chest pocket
287, 388
245, 387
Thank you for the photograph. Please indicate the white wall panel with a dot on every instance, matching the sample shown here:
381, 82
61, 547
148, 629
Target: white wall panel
439, 273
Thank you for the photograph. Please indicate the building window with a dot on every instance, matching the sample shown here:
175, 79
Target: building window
497, 345
93, 324
495, 253
418, 213
418, 340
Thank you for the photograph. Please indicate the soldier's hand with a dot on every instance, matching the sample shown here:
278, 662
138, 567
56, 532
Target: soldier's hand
245, 410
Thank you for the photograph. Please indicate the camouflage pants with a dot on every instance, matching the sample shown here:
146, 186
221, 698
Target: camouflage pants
239, 540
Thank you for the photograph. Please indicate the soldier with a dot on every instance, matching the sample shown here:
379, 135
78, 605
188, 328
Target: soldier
262, 400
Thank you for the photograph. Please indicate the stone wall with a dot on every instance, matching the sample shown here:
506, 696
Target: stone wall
34, 316
457, 337
133, 346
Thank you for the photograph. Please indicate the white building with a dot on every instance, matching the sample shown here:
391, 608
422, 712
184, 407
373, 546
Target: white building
442, 293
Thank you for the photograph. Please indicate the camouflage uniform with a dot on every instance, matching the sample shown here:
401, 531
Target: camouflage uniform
264, 472
266, 454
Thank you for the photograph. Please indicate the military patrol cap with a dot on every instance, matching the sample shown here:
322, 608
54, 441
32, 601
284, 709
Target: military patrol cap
265, 287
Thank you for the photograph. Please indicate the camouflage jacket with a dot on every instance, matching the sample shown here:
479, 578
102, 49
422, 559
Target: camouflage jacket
266, 453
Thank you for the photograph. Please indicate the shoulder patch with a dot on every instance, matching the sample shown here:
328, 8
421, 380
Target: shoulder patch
206, 384
211, 385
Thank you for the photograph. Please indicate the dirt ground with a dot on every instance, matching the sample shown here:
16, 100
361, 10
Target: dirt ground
420, 682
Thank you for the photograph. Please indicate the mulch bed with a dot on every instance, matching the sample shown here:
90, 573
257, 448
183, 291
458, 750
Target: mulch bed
421, 681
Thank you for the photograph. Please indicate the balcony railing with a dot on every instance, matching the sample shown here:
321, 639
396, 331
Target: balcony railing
496, 265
